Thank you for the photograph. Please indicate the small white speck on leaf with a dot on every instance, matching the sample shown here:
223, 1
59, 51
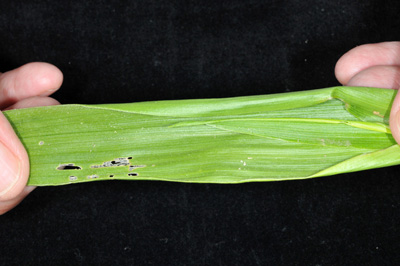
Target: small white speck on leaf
378, 114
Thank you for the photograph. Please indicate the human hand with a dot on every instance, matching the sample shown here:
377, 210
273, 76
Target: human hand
27, 86
374, 65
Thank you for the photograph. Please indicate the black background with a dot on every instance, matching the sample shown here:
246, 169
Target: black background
125, 51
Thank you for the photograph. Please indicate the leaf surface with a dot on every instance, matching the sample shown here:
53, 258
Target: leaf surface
233, 140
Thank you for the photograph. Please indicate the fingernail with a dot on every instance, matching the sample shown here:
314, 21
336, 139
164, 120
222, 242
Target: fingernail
397, 118
9, 169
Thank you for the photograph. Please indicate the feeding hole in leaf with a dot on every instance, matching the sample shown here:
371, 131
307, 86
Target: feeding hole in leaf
133, 174
69, 166
92, 176
115, 162
73, 178
133, 167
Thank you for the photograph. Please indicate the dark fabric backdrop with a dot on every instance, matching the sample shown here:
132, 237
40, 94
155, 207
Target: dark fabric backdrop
124, 51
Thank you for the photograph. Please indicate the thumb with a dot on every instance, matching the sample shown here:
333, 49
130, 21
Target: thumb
14, 164
10, 173
395, 118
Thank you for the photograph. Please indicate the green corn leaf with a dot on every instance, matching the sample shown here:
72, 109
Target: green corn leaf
233, 140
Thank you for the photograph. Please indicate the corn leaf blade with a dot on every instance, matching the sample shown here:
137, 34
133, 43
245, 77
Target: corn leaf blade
233, 140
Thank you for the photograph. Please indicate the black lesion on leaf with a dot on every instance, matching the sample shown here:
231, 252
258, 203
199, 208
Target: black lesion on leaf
69, 166
115, 162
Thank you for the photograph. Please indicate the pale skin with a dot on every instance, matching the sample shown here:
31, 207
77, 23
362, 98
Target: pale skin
27, 86
370, 65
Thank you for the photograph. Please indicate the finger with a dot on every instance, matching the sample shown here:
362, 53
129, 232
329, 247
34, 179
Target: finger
14, 163
5, 206
366, 56
377, 76
34, 102
33, 79
12, 195
394, 121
